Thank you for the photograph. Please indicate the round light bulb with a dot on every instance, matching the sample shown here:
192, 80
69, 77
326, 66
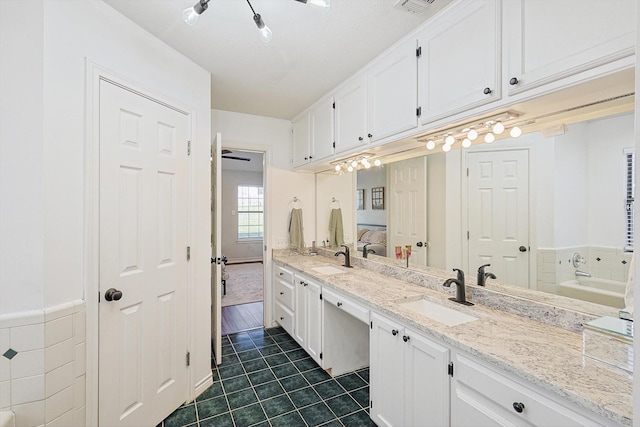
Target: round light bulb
515, 132
446, 148
338, 168
472, 134
190, 16
431, 144
350, 169
466, 143
449, 140
366, 164
354, 164
266, 34
377, 162
489, 138
498, 128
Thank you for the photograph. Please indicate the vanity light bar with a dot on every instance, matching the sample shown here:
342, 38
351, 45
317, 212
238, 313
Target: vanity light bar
479, 126
354, 163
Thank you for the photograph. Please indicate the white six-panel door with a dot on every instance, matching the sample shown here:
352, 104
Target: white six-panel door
216, 247
408, 208
143, 241
498, 193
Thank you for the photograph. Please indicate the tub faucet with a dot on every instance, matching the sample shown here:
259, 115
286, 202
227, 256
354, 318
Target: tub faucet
460, 289
482, 276
580, 273
366, 251
347, 257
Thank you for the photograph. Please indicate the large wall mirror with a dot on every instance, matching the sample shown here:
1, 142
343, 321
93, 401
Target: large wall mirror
548, 210
547, 213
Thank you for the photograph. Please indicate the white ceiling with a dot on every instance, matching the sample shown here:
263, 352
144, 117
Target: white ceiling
311, 51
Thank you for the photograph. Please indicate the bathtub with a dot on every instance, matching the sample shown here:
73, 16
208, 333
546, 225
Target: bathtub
593, 289
7, 419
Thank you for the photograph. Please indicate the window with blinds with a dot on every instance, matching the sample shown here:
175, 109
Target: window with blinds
250, 212
628, 205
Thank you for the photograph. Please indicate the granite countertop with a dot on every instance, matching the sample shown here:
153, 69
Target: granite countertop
545, 355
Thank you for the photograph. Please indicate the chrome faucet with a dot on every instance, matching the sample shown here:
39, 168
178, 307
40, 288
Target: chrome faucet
460, 289
482, 276
366, 251
347, 257
580, 273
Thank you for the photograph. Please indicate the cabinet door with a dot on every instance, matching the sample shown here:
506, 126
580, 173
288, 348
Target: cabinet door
301, 150
351, 112
460, 63
426, 382
392, 92
314, 321
321, 121
546, 41
300, 315
386, 372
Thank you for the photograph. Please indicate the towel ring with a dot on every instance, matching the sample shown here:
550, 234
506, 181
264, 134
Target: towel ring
295, 202
333, 200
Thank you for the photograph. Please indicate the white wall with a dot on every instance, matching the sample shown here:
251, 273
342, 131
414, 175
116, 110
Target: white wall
436, 214
368, 179
237, 251
43, 141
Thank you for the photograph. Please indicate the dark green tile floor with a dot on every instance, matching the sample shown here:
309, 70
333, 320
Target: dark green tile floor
266, 379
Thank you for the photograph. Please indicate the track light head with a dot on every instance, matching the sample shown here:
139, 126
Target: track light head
192, 14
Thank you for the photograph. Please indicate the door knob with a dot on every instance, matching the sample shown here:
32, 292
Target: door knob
419, 244
518, 407
112, 294
522, 249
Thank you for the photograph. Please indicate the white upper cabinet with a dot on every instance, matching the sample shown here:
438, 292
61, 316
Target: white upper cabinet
301, 146
321, 121
392, 92
549, 40
459, 67
351, 114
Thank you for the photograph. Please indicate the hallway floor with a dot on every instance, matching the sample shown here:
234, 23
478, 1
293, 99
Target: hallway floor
266, 379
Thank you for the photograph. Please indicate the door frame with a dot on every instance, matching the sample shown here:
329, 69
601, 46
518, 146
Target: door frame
464, 206
266, 150
94, 73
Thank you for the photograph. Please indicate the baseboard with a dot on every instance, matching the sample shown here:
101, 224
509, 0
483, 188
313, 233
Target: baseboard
203, 384
244, 261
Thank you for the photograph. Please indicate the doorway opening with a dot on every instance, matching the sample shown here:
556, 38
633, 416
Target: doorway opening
242, 240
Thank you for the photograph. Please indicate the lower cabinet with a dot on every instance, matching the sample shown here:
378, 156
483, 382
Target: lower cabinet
409, 382
308, 316
483, 396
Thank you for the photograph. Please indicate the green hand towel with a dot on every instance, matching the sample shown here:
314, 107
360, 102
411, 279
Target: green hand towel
296, 231
336, 232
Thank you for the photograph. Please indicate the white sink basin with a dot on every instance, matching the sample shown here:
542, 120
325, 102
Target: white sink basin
437, 312
328, 269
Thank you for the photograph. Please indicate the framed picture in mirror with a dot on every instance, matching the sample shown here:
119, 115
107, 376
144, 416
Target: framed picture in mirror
377, 198
360, 199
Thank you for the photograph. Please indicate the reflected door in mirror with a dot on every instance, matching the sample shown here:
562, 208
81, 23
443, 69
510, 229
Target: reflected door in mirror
498, 193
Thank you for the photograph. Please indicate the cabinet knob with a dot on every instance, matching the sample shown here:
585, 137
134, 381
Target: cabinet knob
487, 90
281, 273
522, 249
302, 282
394, 332
406, 338
514, 81
360, 138
281, 318
518, 407
306, 158
281, 293
370, 136
310, 157
306, 284
339, 304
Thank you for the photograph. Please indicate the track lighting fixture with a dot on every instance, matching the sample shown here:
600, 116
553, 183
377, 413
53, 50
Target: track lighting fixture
351, 164
192, 14
489, 128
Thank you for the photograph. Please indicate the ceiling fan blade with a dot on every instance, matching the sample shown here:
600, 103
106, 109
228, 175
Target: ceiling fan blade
246, 159
225, 151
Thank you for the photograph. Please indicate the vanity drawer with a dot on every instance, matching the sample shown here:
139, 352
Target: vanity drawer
285, 293
284, 317
484, 387
345, 304
282, 273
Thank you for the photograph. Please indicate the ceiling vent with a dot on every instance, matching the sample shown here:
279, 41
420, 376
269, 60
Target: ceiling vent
413, 6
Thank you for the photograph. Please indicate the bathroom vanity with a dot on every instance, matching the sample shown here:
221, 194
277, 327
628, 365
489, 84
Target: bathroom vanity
432, 360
